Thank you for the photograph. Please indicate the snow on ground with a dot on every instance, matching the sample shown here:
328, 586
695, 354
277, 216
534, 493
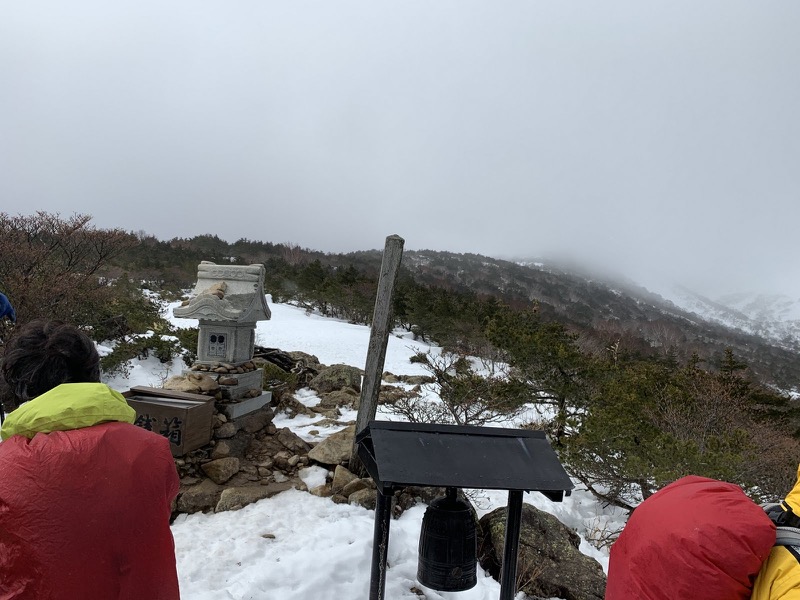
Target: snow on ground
296, 546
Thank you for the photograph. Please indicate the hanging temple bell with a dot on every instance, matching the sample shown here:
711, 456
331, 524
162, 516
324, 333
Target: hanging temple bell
448, 545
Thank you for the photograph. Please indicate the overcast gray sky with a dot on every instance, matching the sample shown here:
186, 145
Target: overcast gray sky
658, 139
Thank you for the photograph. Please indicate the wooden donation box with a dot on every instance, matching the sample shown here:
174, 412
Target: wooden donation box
184, 419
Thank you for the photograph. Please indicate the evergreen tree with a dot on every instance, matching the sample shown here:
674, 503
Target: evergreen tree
545, 356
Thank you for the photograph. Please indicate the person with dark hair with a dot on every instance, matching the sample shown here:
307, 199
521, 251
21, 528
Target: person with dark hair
85, 496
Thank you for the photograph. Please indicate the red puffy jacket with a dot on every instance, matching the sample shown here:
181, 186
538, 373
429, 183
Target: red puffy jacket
84, 510
696, 538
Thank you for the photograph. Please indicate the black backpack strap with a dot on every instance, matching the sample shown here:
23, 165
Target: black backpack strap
782, 515
786, 535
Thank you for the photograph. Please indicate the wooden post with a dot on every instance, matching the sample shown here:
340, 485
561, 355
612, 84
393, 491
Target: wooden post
378, 340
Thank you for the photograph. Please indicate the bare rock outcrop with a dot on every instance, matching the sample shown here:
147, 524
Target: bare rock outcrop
335, 449
336, 377
549, 562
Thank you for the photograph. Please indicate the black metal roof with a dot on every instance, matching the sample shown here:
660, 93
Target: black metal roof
401, 454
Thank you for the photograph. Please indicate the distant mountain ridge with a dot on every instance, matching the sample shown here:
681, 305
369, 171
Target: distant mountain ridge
775, 317
760, 329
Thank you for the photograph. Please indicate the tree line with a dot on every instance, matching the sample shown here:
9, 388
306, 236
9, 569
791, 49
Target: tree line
625, 418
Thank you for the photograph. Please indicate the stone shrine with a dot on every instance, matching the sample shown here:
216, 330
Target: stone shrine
228, 301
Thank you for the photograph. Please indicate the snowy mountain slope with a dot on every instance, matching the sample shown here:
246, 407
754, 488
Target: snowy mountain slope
775, 317
295, 546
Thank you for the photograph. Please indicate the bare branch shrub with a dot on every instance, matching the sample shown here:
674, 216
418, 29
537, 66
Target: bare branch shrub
465, 396
600, 533
50, 267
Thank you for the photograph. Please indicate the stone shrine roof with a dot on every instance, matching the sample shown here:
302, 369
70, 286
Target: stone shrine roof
233, 293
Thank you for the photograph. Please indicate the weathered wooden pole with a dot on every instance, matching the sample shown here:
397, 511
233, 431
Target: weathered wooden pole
378, 340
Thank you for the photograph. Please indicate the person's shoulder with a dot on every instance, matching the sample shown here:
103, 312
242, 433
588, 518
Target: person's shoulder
12, 446
779, 578
127, 433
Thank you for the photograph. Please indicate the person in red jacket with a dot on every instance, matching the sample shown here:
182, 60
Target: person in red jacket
85, 496
696, 538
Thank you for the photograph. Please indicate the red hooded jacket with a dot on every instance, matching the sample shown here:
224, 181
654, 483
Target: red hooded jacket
85, 501
696, 538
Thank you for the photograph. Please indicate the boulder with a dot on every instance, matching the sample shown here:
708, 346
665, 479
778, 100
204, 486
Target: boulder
336, 377
303, 359
235, 446
418, 379
410, 496
390, 394
222, 469
368, 498
341, 477
200, 498
294, 407
346, 397
265, 447
549, 562
256, 420
356, 486
292, 442
323, 491
281, 459
235, 498
328, 413
226, 430
335, 449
